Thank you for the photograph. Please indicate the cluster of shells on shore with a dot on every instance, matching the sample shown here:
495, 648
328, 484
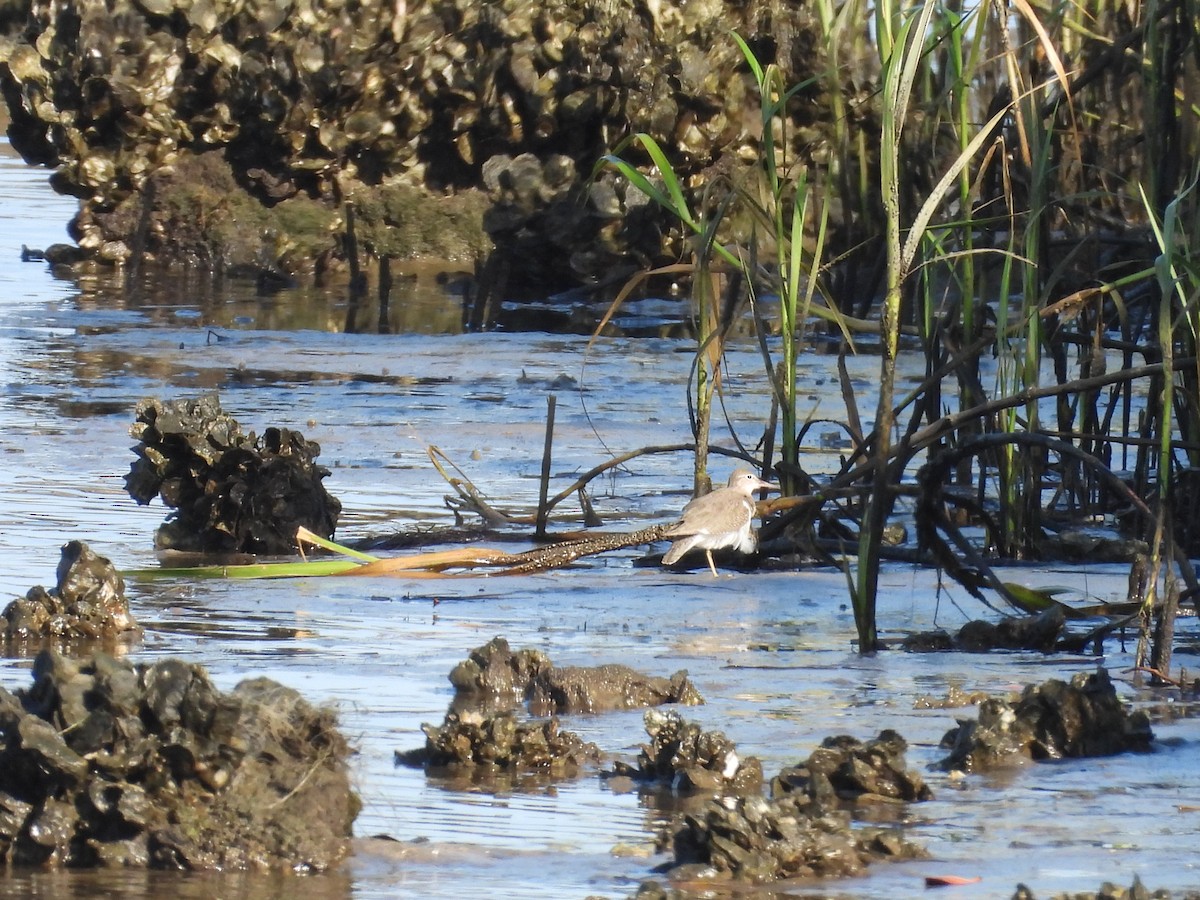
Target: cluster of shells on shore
110, 764
316, 98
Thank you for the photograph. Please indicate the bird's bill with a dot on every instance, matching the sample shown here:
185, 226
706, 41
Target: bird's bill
765, 485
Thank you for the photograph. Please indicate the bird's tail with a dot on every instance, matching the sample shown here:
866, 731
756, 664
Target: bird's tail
677, 550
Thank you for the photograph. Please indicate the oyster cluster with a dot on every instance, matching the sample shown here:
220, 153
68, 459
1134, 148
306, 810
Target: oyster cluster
846, 770
801, 830
758, 840
1052, 720
88, 604
104, 763
497, 742
482, 739
496, 676
685, 758
229, 491
317, 98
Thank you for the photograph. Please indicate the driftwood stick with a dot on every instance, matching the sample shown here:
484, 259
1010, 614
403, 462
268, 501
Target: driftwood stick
543, 511
469, 494
539, 559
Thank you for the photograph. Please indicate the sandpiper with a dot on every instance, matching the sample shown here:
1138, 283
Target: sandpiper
723, 518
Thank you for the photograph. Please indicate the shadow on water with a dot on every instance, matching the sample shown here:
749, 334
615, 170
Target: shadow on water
770, 651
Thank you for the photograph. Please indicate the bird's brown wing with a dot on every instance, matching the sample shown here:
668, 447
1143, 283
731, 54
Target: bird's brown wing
696, 516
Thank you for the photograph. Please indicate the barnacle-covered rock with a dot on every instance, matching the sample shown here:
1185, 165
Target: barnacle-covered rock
758, 840
403, 221
103, 763
87, 605
845, 769
591, 689
230, 492
495, 670
803, 829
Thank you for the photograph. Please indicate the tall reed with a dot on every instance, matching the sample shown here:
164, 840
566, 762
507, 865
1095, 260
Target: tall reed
784, 206
668, 192
901, 66
997, 176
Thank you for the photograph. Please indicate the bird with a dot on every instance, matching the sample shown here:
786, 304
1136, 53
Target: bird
723, 518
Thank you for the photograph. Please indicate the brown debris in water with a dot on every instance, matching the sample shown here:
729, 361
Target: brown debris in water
1041, 632
229, 492
87, 605
496, 675
106, 764
1053, 720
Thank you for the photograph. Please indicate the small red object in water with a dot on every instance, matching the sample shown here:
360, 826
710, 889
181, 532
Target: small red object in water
948, 880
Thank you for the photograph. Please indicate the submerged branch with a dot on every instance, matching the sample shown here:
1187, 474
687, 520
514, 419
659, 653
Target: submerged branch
930, 512
498, 562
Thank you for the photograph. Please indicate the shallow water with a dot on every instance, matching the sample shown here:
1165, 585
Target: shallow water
771, 651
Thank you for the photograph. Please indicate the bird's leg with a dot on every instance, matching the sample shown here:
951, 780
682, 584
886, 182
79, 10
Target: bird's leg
711, 564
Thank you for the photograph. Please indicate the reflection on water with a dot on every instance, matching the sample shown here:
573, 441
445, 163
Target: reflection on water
771, 651
421, 301
421, 304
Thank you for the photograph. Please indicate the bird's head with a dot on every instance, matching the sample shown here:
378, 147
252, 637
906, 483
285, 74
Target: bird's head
746, 482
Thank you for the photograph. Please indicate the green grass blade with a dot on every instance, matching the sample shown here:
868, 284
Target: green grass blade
751, 59
639, 181
311, 568
307, 537
938, 194
678, 204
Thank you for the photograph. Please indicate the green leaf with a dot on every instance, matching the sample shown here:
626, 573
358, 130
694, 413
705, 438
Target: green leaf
635, 177
751, 59
311, 568
678, 204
